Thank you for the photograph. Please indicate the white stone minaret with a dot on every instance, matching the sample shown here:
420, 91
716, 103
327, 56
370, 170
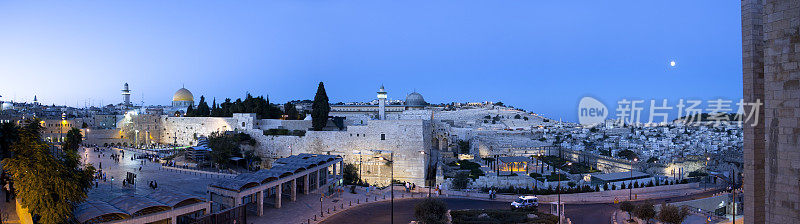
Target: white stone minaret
382, 103
126, 95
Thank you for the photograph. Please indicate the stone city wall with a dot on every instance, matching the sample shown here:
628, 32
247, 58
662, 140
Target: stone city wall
406, 138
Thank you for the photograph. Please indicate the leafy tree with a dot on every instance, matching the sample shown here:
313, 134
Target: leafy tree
627, 154
84, 125
222, 147
652, 160
645, 212
190, 111
431, 211
74, 139
672, 214
320, 109
461, 180
8, 135
202, 108
463, 146
291, 111
628, 207
49, 182
216, 111
350, 176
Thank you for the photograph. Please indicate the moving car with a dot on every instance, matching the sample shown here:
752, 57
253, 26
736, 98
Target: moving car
525, 202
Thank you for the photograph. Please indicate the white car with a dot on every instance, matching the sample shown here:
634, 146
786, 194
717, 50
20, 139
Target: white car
525, 202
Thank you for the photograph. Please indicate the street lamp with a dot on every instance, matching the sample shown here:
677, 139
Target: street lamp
61, 127
630, 189
391, 179
559, 192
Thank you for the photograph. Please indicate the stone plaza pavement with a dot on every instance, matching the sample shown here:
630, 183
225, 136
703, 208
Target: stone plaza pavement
8, 210
192, 183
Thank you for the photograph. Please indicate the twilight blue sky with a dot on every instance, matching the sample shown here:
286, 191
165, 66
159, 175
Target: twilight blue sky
542, 56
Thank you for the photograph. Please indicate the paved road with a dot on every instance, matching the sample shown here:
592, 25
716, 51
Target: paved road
404, 210
601, 213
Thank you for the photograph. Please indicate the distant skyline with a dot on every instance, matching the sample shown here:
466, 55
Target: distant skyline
538, 56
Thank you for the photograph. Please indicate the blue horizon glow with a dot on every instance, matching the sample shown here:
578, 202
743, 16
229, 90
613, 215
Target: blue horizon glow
538, 56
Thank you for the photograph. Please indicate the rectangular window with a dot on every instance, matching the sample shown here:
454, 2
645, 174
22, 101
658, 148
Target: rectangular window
383, 136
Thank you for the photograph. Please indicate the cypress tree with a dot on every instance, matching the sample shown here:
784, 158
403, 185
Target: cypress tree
190, 111
202, 108
290, 111
320, 108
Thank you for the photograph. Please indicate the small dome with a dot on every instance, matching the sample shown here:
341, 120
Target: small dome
183, 94
7, 106
415, 99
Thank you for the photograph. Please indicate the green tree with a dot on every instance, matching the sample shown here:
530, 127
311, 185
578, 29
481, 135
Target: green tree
202, 108
222, 147
627, 154
463, 146
320, 109
291, 111
216, 111
628, 207
74, 139
190, 111
8, 135
461, 180
50, 183
672, 214
645, 212
431, 211
350, 175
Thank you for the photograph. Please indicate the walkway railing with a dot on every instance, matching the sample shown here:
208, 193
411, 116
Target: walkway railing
199, 172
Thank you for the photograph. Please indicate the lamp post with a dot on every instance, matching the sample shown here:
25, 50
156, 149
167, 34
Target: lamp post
630, 189
391, 178
559, 192
705, 186
61, 127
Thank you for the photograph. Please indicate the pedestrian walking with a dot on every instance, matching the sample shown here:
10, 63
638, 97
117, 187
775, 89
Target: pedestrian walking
7, 190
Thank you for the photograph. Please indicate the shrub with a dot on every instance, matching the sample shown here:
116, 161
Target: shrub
431, 211
300, 133
645, 212
461, 180
672, 214
626, 206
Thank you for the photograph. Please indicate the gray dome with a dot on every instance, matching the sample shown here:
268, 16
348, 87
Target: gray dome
7, 106
415, 99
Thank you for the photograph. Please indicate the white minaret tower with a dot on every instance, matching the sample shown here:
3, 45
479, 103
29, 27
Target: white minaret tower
126, 95
382, 103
